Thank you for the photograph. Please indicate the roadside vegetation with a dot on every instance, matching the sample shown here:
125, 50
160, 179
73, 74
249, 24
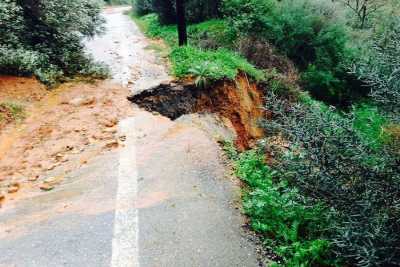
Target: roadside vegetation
195, 60
322, 188
44, 38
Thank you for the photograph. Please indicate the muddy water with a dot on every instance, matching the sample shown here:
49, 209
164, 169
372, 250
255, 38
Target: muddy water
123, 49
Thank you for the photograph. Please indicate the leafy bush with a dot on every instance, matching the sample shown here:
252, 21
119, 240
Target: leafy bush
143, 7
292, 225
44, 38
330, 159
211, 34
309, 32
381, 69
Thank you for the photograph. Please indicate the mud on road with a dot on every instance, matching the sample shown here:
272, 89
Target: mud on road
64, 129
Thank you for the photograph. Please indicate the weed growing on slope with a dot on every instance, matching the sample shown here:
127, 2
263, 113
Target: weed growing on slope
371, 126
11, 111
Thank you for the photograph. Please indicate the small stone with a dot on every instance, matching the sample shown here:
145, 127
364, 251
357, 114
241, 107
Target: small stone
33, 179
110, 130
59, 157
80, 101
15, 184
13, 189
46, 187
112, 144
110, 122
52, 167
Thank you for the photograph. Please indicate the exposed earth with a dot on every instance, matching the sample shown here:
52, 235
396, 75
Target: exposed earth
89, 179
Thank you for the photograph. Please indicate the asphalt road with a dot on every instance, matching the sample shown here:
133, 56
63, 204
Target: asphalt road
163, 199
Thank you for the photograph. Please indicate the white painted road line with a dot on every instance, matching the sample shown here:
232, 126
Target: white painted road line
125, 246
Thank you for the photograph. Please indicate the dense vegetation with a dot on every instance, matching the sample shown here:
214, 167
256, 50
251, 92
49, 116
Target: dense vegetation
329, 195
206, 64
43, 38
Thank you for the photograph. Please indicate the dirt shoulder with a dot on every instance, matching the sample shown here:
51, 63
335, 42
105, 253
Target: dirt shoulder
63, 129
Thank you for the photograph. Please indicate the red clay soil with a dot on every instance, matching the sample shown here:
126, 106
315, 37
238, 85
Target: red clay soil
64, 128
21, 89
242, 103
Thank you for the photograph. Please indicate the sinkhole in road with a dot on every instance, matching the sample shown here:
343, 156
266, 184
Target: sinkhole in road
240, 101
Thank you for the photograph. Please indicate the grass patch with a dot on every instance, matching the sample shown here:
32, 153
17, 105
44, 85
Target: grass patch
210, 64
11, 111
191, 60
370, 125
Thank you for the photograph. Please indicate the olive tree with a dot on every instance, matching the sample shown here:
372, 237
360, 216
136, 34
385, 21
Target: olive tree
44, 37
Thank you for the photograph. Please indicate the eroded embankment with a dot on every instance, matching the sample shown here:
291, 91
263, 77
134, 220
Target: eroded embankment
239, 101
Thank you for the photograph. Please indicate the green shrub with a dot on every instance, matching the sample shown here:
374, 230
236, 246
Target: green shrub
380, 68
292, 225
211, 34
311, 33
331, 159
44, 39
143, 7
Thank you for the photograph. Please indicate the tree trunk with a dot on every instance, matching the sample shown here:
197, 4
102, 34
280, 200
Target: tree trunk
181, 21
364, 14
